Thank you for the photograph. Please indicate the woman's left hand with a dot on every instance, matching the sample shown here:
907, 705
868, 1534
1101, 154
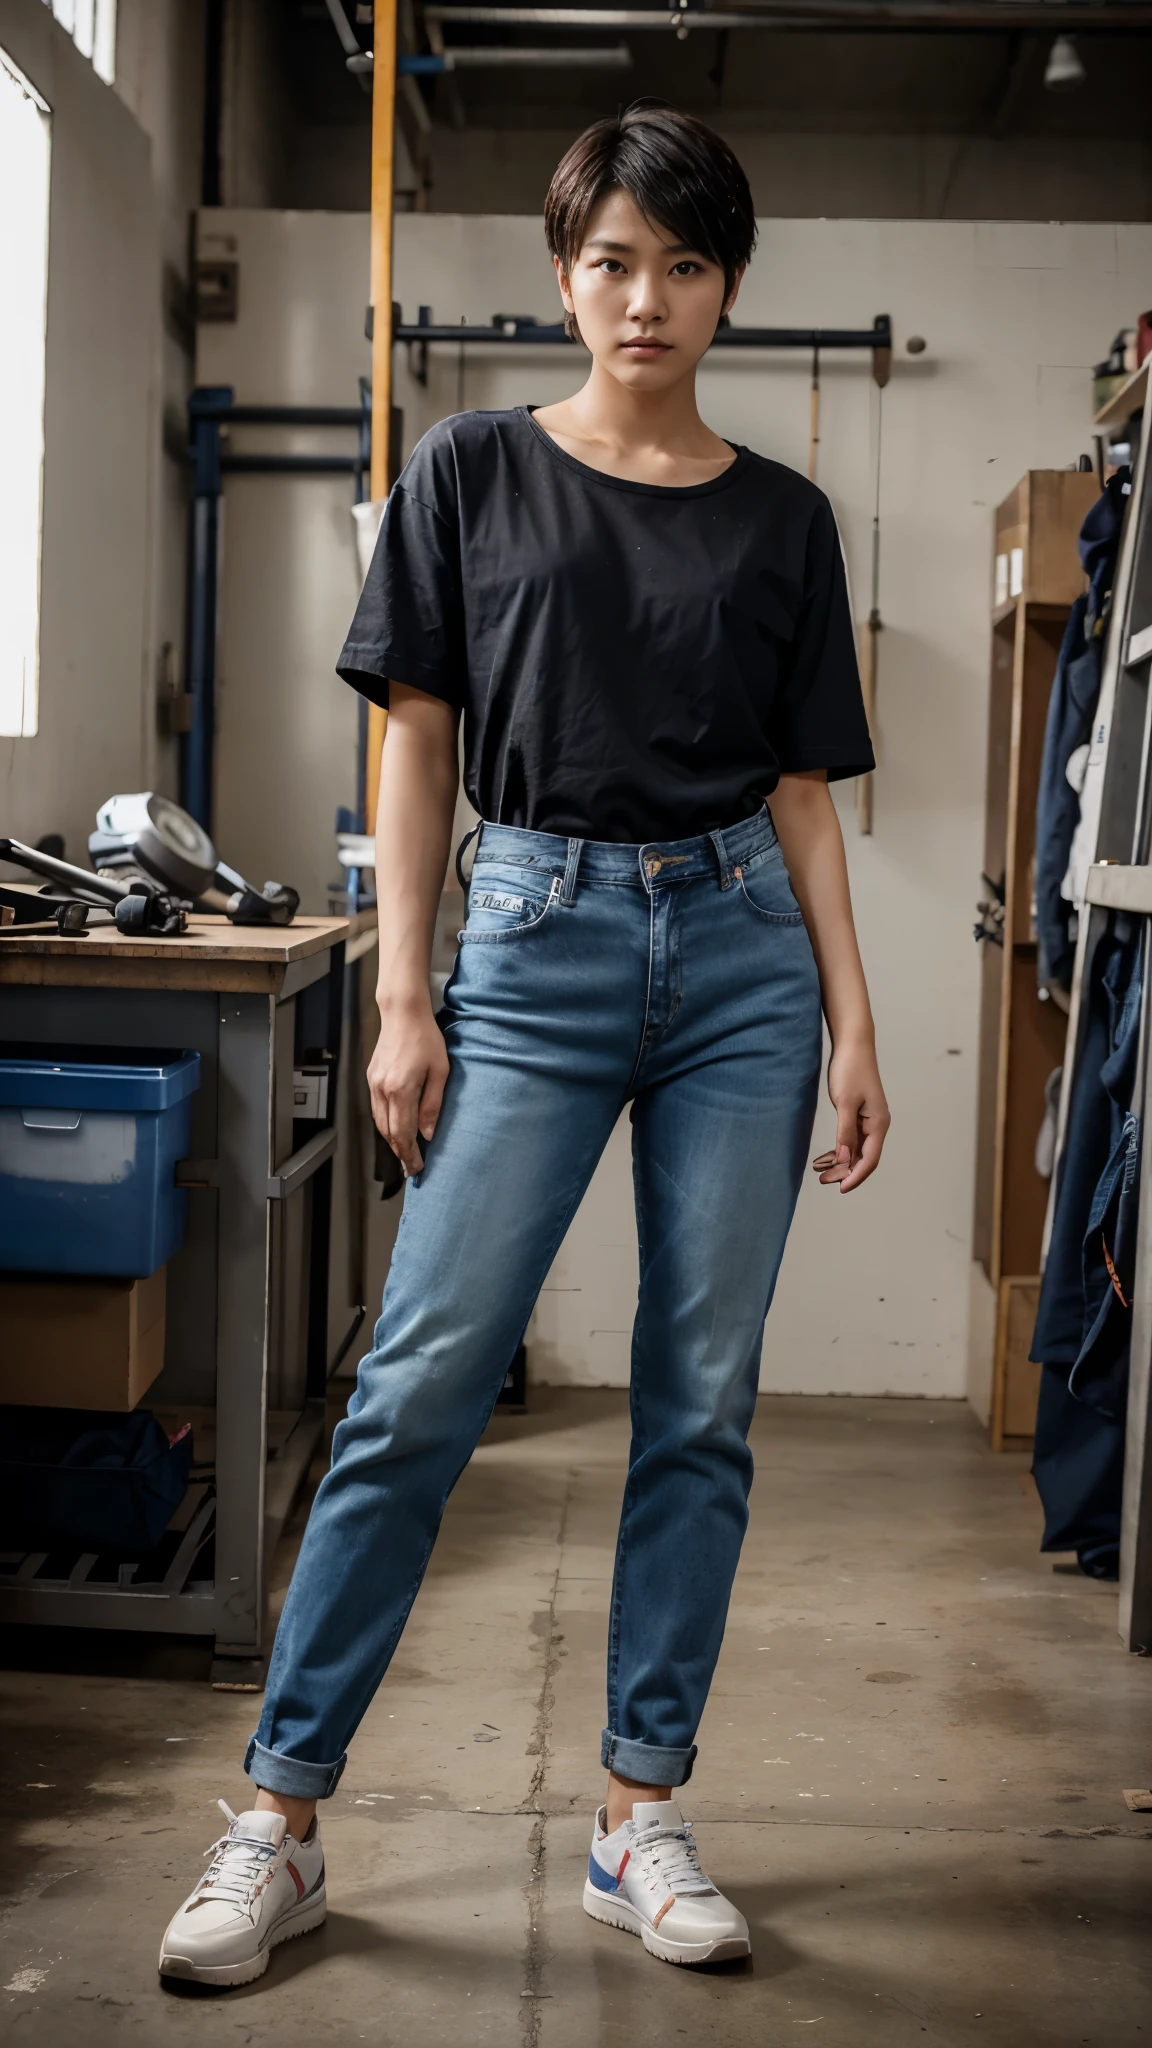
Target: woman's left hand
862, 1119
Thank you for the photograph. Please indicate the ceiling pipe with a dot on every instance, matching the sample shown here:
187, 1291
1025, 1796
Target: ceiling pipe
814, 14
354, 57
616, 58
349, 41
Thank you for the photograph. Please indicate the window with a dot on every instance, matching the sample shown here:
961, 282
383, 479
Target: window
25, 144
92, 27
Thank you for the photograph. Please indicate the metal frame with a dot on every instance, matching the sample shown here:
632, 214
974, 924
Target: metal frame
212, 412
225, 1294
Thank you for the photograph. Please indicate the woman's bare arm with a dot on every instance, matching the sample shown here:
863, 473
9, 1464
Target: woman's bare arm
419, 774
810, 838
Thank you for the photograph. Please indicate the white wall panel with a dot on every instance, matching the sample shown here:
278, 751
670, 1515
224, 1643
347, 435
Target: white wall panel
101, 424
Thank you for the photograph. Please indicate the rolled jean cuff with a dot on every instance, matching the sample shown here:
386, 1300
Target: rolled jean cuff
290, 1775
645, 1763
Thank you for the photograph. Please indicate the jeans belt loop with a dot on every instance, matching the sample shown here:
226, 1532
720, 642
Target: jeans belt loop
568, 887
717, 839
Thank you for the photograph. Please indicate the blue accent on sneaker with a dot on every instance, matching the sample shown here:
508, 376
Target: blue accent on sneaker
597, 1875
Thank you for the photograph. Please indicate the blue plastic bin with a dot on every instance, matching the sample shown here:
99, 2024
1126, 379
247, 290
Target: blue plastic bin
89, 1139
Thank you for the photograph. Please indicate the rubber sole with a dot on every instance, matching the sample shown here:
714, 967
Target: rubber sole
303, 1919
613, 1910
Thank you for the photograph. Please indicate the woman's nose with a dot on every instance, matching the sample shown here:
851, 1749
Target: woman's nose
647, 300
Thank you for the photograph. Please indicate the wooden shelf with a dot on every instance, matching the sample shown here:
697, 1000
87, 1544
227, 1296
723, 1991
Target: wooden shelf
1126, 401
1036, 608
1021, 1038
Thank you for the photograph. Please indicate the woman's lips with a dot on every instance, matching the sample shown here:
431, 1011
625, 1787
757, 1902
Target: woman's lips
646, 348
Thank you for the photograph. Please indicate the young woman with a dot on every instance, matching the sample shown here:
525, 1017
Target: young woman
646, 630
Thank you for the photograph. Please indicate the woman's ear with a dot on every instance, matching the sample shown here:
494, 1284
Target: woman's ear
562, 281
570, 327
730, 301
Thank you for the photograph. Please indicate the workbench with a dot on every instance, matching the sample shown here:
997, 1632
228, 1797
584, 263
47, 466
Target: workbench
246, 1353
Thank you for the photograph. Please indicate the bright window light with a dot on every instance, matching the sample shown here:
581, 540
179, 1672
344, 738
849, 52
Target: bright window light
25, 145
92, 27
104, 40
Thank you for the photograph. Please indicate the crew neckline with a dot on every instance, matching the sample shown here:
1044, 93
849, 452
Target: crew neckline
624, 483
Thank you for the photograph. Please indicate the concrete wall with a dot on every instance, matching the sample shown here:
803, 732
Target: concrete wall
126, 173
845, 174
837, 175
257, 139
102, 425
286, 724
159, 77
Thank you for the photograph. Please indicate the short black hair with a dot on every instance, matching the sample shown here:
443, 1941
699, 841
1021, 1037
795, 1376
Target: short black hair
680, 173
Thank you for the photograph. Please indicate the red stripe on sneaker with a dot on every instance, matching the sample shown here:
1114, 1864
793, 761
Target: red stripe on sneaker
622, 1869
297, 1880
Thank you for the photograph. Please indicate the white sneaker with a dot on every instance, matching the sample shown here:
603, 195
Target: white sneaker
261, 1887
646, 1878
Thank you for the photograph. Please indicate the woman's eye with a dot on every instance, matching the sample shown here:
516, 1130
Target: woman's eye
685, 269
610, 266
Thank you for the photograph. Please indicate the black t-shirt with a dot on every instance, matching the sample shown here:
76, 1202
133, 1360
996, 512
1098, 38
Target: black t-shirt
633, 661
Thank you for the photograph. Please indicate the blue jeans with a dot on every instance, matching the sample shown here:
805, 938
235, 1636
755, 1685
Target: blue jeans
675, 976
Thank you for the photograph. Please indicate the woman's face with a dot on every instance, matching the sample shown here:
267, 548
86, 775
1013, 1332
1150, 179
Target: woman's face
646, 307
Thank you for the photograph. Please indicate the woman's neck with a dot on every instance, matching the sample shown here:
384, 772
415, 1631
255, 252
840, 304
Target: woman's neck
626, 422
655, 437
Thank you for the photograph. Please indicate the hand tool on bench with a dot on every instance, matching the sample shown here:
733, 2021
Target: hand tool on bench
148, 834
138, 907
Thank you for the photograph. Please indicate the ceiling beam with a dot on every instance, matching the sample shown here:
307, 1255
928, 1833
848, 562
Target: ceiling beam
955, 15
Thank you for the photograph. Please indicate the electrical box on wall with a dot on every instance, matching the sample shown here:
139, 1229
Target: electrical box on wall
310, 1092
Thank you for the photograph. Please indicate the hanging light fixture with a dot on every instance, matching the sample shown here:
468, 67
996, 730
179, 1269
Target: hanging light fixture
1064, 71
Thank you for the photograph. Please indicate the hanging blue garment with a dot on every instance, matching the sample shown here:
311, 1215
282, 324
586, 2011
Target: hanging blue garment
1075, 688
1084, 1317
1100, 1374
1071, 707
1078, 1465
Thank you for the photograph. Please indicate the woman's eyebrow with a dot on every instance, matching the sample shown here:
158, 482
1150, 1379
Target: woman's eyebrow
629, 248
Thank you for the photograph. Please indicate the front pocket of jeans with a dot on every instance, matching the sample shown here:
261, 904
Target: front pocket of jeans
498, 911
770, 881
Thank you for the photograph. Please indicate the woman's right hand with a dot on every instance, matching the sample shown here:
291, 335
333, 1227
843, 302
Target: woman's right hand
406, 1077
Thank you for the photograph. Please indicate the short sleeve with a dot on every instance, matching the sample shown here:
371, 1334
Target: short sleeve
818, 718
409, 623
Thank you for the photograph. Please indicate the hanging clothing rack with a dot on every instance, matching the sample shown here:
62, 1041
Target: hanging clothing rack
1116, 806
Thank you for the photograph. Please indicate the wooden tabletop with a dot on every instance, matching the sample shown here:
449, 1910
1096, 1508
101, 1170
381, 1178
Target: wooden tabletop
212, 954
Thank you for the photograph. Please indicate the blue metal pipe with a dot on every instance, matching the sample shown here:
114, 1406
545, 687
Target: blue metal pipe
206, 407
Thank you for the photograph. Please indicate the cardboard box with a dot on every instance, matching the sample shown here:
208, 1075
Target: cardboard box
68, 1343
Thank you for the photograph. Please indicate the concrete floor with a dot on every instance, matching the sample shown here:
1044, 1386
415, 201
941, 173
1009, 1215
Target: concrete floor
910, 1778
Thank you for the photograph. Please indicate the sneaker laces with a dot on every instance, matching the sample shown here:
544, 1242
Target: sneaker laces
674, 1854
240, 1868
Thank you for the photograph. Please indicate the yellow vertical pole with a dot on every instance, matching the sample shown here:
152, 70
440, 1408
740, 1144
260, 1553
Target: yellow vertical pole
380, 293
